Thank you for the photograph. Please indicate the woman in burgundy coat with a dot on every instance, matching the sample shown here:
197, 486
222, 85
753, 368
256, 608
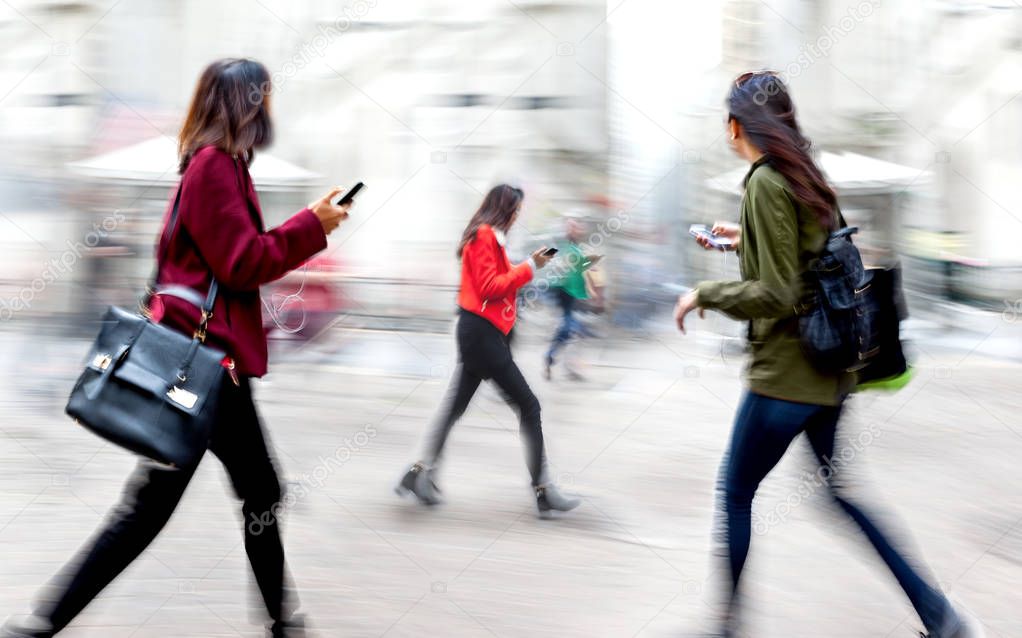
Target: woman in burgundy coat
219, 233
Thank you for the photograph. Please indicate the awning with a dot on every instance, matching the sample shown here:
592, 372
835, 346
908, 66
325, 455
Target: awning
849, 173
155, 161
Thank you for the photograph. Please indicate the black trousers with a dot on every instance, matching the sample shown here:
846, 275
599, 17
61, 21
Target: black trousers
485, 353
152, 494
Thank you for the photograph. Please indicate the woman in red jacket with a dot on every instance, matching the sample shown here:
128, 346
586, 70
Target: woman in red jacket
219, 233
488, 308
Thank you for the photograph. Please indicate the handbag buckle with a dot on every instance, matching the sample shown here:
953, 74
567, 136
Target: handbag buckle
102, 361
200, 332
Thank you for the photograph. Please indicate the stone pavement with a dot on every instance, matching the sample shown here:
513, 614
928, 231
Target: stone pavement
640, 439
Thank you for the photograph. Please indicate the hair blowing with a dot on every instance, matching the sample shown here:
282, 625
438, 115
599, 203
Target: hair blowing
762, 105
228, 110
497, 210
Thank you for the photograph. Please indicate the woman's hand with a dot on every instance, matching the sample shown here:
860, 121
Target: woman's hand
330, 216
686, 304
727, 230
539, 258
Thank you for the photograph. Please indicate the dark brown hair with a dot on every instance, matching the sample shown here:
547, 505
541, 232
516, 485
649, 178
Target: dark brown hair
760, 102
497, 210
228, 111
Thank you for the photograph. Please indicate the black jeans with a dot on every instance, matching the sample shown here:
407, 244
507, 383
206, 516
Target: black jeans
150, 498
764, 427
485, 353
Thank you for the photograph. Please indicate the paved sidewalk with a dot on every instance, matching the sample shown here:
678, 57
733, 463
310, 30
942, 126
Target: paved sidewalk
640, 440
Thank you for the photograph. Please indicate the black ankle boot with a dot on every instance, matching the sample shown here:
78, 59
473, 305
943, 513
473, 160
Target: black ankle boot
293, 628
418, 480
549, 498
28, 627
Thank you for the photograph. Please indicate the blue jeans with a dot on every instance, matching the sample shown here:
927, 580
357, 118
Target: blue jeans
764, 427
570, 325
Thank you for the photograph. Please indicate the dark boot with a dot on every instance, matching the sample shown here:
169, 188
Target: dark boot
549, 498
293, 628
27, 627
418, 480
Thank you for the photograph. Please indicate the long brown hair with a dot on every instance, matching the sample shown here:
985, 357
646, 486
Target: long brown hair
498, 210
228, 110
760, 102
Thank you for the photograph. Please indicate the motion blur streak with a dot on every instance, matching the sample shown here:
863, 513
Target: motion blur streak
610, 114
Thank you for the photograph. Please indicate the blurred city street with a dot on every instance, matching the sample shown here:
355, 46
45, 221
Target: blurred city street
640, 439
619, 124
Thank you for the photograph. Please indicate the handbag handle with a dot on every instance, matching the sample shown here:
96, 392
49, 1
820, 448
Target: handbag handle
174, 290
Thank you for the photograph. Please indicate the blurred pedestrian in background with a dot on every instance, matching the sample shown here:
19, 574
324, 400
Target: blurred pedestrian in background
218, 235
569, 286
787, 212
487, 312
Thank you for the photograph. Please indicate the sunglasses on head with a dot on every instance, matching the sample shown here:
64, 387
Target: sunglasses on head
748, 75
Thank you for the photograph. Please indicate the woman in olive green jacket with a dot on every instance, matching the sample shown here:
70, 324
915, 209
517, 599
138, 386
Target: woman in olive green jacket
786, 213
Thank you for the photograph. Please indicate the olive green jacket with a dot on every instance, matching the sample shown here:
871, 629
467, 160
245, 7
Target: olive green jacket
780, 236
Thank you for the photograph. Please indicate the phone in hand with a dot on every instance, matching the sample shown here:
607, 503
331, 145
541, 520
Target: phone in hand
549, 252
348, 197
715, 241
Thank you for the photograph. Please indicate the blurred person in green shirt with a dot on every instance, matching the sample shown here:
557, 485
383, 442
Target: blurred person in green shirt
568, 284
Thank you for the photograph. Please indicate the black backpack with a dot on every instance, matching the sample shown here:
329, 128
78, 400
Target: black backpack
834, 318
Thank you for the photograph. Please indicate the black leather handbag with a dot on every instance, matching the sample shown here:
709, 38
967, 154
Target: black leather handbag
887, 308
148, 387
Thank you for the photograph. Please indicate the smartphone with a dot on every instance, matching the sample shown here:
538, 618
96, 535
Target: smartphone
549, 252
700, 230
348, 197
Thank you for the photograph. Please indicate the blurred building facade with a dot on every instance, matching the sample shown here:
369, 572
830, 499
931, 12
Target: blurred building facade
429, 103
927, 86
612, 109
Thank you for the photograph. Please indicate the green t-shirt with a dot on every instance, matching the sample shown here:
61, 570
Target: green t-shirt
780, 236
570, 270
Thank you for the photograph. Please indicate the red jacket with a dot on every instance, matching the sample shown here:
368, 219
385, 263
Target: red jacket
489, 282
220, 229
